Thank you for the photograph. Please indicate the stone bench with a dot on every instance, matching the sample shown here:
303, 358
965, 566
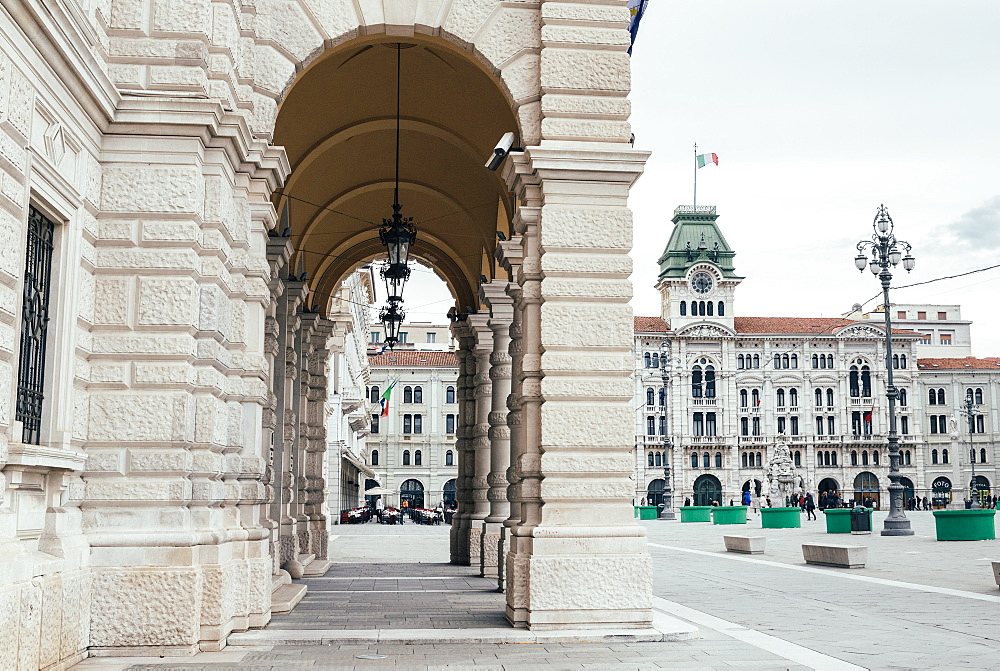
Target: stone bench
748, 545
841, 556
996, 572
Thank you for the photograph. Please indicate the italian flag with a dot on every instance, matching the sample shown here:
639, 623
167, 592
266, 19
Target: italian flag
384, 401
705, 159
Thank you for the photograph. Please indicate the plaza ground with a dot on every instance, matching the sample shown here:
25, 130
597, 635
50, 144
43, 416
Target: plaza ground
392, 595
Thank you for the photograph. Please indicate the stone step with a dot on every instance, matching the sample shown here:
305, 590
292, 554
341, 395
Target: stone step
286, 597
317, 568
280, 580
304, 559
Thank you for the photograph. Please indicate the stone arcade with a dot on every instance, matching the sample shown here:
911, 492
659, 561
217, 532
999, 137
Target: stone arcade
206, 173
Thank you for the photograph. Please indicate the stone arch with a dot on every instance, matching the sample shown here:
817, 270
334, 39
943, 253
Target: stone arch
292, 36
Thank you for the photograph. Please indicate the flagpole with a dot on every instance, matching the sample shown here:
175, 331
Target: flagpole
695, 203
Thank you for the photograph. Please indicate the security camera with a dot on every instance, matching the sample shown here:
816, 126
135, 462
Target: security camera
500, 151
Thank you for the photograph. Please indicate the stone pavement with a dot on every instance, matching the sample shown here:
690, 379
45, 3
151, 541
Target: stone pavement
918, 604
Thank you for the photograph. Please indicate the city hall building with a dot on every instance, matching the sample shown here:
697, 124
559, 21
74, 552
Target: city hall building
185, 186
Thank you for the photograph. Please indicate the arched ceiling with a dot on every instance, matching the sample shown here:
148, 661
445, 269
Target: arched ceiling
337, 125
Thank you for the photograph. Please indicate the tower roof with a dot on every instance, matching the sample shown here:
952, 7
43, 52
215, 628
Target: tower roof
696, 237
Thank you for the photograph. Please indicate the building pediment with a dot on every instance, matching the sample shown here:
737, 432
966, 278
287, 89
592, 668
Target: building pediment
861, 331
705, 330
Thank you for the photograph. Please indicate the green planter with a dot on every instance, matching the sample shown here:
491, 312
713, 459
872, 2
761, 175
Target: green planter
782, 518
729, 515
646, 512
965, 525
696, 513
838, 520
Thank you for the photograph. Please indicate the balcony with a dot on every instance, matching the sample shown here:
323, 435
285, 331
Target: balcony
704, 401
752, 439
711, 440
862, 402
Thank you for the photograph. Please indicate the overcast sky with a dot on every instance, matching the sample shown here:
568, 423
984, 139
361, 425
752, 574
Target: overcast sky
820, 111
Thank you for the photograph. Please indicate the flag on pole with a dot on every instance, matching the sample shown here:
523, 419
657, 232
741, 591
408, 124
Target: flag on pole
384, 401
705, 159
868, 415
636, 8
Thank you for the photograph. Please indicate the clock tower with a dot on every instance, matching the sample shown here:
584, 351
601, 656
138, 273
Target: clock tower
697, 279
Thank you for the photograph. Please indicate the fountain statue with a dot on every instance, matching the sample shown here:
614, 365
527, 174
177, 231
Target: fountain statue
781, 480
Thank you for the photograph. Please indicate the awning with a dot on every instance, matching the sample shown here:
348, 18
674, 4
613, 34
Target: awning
352, 458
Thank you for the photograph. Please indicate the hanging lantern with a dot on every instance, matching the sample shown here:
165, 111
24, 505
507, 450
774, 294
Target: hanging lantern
392, 315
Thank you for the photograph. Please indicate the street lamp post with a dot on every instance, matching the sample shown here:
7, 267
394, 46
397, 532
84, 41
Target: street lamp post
970, 410
668, 512
886, 252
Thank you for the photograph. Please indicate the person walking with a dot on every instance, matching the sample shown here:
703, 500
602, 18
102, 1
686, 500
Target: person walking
810, 507
687, 501
746, 498
769, 501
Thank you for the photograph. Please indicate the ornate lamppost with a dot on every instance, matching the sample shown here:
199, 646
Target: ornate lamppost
971, 410
666, 364
886, 252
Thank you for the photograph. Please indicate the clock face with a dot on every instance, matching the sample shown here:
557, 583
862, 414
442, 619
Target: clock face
701, 282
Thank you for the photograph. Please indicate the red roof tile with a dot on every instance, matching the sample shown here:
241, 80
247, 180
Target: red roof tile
800, 325
651, 325
959, 363
409, 359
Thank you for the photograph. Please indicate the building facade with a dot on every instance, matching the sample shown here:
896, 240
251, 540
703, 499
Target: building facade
714, 390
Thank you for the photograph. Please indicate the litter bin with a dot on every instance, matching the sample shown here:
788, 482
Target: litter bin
861, 520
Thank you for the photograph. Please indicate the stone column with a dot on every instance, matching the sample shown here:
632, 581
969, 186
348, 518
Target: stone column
482, 393
501, 313
459, 538
509, 254
580, 560
315, 388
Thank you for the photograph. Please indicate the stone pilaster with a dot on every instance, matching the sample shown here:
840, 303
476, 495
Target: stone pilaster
482, 393
459, 537
509, 253
501, 313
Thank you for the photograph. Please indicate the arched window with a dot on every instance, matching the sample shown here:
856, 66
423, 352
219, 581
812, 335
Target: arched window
694, 460
815, 361
798, 458
659, 458
449, 458
944, 456
895, 361
374, 398
718, 455
793, 397
407, 394
866, 382
656, 360
449, 395
902, 397
784, 361
650, 426
710, 309
854, 457
696, 379
649, 459
940, 396
418, 394
449, 424
931, 397
663, 425
760, 460
709, 381
701, 308
743, 398
819, 426
418, 424
777, 361
875, 457
663, 397
855, 387
906, 458
829, 397
979, 396
406, 457
739, 361
407, 423
684, 308
706, 460
650, 396
756, 361
795, 361
781, 398
755, 397
374, 457
833, 458
722, 309
646, 358
418, 458
864, 457
743, 460
755, 426
934, 456
829, 361
982, 455
744, 426
818, 393
902, 361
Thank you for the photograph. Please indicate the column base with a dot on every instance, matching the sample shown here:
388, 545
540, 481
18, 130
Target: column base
489, 550
556, 620
900, 527
667, 514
